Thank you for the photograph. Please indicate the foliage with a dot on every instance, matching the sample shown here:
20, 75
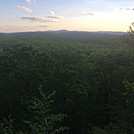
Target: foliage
42, 121
86, 73
110, 129
6, 126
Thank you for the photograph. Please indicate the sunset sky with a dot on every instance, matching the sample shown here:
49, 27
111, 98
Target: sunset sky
80, 15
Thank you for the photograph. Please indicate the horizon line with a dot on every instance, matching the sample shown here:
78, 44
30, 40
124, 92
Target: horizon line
64, 30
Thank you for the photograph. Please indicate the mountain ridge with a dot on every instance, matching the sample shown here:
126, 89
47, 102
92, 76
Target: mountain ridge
68, 34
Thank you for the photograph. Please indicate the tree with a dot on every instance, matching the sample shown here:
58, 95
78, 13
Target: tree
6, 126
39, 119
131, 31
130, 36
110, 129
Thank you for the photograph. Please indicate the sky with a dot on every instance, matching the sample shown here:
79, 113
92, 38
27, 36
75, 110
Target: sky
73, 15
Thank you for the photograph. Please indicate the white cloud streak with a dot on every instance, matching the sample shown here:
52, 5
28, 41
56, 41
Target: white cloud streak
55, 17
38, 19
50, 18
25, 9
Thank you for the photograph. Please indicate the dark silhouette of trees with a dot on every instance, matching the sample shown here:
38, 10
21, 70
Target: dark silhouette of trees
87, 75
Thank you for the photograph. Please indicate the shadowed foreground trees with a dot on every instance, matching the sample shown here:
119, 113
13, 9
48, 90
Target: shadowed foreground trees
124, 123
38, 119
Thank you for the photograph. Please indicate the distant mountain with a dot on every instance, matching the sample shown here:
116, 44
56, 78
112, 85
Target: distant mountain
71, 34
59, 31
87, 33
2, 34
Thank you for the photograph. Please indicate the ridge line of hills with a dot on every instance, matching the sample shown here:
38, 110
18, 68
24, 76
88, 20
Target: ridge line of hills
68, 34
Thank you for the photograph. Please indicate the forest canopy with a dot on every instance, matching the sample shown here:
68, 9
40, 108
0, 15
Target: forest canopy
63, 83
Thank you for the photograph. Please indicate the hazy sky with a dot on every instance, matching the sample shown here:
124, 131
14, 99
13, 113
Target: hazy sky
82, 15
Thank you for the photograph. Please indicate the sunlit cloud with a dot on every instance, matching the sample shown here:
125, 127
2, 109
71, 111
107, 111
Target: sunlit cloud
39, 19
30, 1
25, 9
50, 18
51, 12
53, 16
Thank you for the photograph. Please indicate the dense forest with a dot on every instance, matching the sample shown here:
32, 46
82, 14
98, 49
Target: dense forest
66, 83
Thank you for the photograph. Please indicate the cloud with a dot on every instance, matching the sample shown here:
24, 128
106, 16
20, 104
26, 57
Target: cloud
51, 12
39, 19
50, 18
87, 13
30, 1
90, 14
120, 9
25, 9
125, 9
53, 16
